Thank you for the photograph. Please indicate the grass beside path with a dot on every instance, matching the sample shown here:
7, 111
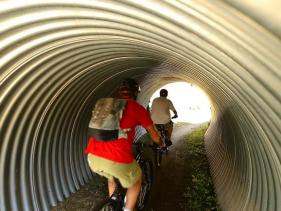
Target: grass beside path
201, 195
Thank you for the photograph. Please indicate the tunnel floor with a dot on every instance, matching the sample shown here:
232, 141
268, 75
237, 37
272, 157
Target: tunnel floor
169, 190
174, 176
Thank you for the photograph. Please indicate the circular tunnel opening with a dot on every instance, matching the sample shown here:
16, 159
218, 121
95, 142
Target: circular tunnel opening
192, 104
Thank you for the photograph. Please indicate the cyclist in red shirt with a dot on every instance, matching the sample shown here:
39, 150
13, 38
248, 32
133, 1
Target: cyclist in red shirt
115, 159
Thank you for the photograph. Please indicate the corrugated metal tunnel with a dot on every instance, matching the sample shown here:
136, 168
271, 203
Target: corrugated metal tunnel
58, 57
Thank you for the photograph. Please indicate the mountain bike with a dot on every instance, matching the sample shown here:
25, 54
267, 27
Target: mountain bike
162, 128
159, 151
117, 200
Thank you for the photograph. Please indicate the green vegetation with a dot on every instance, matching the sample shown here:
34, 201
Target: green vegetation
200, 195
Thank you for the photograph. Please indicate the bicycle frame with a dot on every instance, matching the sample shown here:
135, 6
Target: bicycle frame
164, 136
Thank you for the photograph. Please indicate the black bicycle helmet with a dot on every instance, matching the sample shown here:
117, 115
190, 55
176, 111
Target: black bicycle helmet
129, 88
163, 92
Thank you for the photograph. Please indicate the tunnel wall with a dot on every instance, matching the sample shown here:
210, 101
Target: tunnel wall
58, 57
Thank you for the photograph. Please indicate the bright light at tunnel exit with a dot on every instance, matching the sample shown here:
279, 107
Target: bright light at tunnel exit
191, 103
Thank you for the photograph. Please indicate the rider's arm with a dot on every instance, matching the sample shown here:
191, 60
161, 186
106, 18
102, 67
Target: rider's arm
154, 135
146, 121
175, 114
171, 107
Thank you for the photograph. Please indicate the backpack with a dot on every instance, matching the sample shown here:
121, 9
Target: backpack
105, 122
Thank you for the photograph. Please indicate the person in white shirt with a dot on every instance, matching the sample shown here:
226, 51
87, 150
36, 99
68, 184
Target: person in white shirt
160, 112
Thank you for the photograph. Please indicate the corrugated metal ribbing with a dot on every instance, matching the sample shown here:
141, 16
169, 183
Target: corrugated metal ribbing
58, 57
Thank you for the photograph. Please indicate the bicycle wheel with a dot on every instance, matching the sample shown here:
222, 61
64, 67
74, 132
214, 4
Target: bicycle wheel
106, 204
107, 207
147, 171
103, 205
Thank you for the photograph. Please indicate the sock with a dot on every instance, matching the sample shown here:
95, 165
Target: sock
126, 209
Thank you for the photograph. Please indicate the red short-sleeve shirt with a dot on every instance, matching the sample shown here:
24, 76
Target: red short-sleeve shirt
120, 150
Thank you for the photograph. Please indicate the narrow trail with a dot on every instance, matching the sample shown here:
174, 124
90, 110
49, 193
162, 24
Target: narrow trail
174, 175
168, 193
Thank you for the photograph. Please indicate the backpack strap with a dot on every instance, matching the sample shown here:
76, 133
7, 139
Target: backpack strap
104, 135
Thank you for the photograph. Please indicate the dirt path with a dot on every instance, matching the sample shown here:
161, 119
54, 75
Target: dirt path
174, 175
168, 191
181, 130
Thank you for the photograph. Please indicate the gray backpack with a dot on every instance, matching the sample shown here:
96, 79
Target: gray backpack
105, 122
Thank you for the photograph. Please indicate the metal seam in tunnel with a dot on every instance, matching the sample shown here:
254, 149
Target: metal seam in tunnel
58, 57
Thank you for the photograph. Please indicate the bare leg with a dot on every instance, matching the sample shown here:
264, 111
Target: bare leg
111, 186
132, 195
170, 130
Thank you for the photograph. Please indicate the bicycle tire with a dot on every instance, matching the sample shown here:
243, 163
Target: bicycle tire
107, 207
147, 179
106, 204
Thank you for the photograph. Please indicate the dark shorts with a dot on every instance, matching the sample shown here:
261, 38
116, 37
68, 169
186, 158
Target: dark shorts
166, 126
163, 129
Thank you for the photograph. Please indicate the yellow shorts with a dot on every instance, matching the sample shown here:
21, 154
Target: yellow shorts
127, 174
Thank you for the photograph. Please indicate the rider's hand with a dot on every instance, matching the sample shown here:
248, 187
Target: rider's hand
175, 116
162, 145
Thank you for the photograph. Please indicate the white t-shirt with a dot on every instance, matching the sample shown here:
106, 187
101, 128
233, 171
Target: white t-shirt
160, 110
